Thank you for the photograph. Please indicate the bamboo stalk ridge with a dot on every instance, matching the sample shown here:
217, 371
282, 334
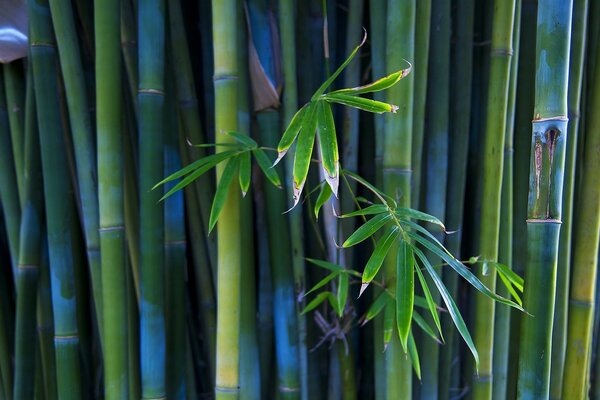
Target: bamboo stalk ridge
549, 134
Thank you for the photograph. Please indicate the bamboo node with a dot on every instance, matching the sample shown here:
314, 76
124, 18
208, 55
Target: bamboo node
543, 220
27, 266
151, 91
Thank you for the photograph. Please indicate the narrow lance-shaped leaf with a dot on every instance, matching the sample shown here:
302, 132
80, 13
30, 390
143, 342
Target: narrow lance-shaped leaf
380, 84
289, 135
245, 170
367, 229
322, 283
334, 267
222, 190
510, 275
342, 293
333, 76
244, 140
405, 291
314, 303
450, 304
429, 300
376, 259
370, 210
419, 320
377, 306
328, 145
404, 212
306, 141
389, 316
324, 195
265, 165
414, 355
361, 103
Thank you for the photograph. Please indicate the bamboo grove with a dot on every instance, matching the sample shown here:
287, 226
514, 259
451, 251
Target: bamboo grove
279, 199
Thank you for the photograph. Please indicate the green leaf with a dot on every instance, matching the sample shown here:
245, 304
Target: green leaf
405, 291
414, 355
245, 171
333, 76
509, 286
429, 300
322, 282
328, 145
342, 293
244, 140
377, 306
377, 86
389, 315
361, 103
450, 305
419, 320
404, 212
369, 186
210, 161
314, 303
333, 267
265, 165
304, 147
367, 229
376, 259
324, 195
510, 275
370, 210
222, 190
289, 135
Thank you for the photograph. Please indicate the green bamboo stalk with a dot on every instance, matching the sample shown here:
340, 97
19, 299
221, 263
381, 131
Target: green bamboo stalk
460, 114
287, 25
133, 345
559, 332
14, 87
501, 344
9, 197
545, 195
79, 118
29, 256
422, 35
151, 50
585, 258
397, 168
496, 116
129, 50
58, 202
5, 345
111, 198
229, 240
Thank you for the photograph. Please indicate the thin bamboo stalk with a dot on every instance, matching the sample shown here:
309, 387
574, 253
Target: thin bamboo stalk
5, 345
151, 51
585, 258
129, 50
14, 87
501, 53
59, 203
397, 168
545, 195
559, 331
229, 237
502, 314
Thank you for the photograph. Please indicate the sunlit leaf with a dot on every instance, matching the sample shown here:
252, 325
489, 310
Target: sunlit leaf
222, 190
511, 289
324, 195
405, 291
342, 293
404, 212
322, 283
381, 84
370, 210
265, 165
320, 298
414, 355
419, 320
510, 275
367, 229
289, 135
369, 186
306, 141
328, 145
333, 267
245, 172
433, 309
381, 249
389, 316
377, 306
242, 139
361, 103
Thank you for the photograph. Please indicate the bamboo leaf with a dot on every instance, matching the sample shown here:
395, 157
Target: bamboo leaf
429, 301
304, 147
342, 293
369, 186
367, 229
370, 210
209, 161
333, 76
510, 275
334, 267
290, 133
222, 190
377, 306
328, 145
361, 103
265, 165
509, 286
381, 84
244, 140
314, 303
405, 291
245, 170
404, 212
376, 259
324, 195
322, 282
414, 355
419, 320
450, 305
389, 315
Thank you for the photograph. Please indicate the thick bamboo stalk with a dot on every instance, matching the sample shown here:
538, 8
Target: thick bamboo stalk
585, 258
501, 53
545, 195
45, 326
59, 204
559, 332
397, 168
229, 238
5, 339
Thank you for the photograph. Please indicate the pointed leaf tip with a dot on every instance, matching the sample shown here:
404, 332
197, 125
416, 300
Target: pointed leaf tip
363, 287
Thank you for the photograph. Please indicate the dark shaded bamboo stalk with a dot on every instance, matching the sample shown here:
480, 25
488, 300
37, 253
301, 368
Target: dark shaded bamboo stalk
549, 134
14, 87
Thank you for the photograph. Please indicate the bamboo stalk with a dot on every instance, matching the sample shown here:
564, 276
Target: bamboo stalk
559, 331
14, 87
5, 338
545, 195
585, 258
397, 168
57, 192
229, 240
